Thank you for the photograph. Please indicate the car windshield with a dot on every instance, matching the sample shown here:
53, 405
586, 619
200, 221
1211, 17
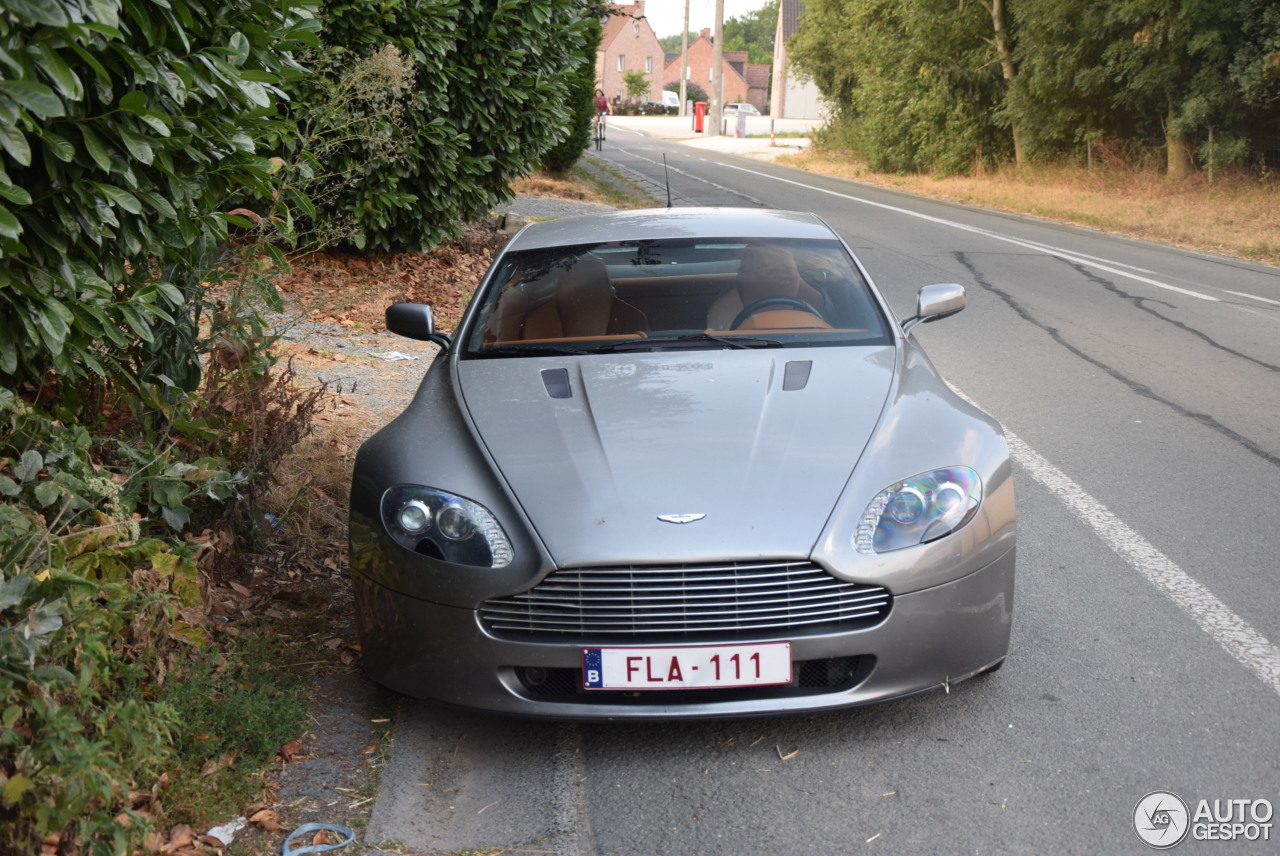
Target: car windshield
675, 294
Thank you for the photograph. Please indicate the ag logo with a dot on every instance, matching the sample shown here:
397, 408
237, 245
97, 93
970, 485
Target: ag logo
1161, 819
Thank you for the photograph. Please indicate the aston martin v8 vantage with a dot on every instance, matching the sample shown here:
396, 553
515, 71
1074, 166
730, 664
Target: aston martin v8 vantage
681, 463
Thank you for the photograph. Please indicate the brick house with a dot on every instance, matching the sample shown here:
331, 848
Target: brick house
628, 43
743, 81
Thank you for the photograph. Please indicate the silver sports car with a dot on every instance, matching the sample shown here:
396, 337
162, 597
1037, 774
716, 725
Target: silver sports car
681, 463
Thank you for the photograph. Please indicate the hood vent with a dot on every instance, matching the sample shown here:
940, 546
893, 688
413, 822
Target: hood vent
557, 383
796, 375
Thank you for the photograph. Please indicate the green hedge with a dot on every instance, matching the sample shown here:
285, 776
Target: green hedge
582, 98
125, 126
492, 94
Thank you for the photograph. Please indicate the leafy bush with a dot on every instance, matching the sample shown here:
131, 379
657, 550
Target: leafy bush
81, 594
491, 96
100, 599
582, 96
692, 91
126, 126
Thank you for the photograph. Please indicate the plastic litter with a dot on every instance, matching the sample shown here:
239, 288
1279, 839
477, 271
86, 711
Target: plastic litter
310, 829
391, 356
274, 522
227, 832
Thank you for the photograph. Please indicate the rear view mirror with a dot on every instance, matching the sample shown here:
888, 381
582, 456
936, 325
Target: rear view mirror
935, 302
415, 321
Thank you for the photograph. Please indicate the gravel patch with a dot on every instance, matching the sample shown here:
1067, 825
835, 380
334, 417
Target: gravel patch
548, 207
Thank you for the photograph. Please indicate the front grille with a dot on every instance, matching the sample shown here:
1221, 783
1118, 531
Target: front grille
686, 601
812, 678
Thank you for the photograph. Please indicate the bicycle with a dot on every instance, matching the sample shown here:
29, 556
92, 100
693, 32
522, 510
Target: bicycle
599, 135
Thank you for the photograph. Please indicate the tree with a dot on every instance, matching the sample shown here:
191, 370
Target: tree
1172, 59
1062, 96
1255, 68
1004, 50
674, 44
754, 33
636, 83
914, 82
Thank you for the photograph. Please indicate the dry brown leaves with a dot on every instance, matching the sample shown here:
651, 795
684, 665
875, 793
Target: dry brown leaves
353, 291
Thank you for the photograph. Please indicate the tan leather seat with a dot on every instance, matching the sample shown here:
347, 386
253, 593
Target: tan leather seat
764, 272
582, 304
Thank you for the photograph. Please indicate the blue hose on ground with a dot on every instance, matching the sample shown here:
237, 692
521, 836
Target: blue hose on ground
311, 828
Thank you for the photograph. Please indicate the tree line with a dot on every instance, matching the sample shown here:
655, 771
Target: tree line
950, 85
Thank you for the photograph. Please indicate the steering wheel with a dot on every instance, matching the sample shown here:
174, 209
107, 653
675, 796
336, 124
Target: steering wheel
755, 306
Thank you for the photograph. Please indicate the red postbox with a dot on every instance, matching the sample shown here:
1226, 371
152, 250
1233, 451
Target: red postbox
699, 115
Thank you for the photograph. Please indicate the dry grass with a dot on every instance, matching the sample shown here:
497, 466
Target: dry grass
1233, 216
561, 187
310, 487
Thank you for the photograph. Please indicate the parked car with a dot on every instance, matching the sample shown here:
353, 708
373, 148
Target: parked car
681, 463
735, 108
656, 108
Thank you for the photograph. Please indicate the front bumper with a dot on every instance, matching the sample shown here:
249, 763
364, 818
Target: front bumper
931, 638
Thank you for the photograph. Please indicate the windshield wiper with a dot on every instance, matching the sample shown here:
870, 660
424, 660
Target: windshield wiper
696, 340
528, 351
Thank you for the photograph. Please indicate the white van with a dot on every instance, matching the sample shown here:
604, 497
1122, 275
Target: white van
670, 99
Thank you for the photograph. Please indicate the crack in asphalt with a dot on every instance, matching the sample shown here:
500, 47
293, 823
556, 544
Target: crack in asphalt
1133, 385
1140, 302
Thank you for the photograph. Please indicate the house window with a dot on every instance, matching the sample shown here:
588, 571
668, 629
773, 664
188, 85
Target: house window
648, 64
622, 62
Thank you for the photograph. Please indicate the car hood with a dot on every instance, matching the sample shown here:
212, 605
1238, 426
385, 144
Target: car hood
598, 448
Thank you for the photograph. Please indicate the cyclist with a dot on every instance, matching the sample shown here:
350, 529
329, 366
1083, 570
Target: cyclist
602, 108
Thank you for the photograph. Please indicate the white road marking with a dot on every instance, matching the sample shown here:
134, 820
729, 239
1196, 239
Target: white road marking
1229, 630
1237, 636
1254, 297
1087, 261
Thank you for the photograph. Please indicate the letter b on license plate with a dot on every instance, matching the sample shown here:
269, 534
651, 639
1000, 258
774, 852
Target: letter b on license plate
686, 667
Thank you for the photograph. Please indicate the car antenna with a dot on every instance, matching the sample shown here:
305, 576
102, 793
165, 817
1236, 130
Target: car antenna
666, 175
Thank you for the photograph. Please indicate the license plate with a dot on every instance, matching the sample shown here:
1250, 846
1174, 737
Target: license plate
686, 667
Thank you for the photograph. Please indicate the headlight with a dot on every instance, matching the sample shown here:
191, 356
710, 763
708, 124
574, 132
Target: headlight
920, 509
444, 526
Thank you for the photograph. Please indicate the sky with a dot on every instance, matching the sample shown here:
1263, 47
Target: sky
666, 16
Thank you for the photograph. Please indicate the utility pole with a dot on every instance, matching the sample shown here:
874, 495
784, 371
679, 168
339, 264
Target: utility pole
684, 60
717, 71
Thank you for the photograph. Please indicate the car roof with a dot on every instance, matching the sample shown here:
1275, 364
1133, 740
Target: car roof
658, 223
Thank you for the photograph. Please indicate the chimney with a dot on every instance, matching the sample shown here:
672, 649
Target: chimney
637, 9
706, 33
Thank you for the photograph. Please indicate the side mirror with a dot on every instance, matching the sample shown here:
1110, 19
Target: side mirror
936, 302
415, 321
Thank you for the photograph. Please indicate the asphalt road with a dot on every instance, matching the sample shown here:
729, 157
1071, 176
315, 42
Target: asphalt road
1141, 389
